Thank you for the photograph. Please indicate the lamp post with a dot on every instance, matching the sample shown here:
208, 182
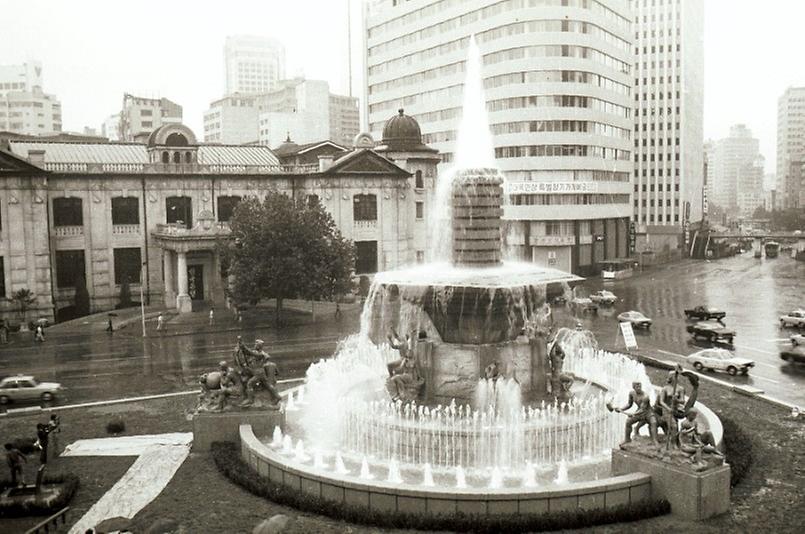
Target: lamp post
142, 300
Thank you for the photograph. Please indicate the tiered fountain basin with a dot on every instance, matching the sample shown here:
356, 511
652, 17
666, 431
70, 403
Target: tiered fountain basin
463, 320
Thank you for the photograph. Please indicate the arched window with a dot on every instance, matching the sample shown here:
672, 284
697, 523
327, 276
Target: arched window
419, 182
177, 157
188, 158
364, 208
176, 139
166, 158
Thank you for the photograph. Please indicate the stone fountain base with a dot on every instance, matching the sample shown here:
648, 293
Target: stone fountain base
224, 426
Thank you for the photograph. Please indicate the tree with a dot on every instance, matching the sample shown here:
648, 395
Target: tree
24, 298
283, 248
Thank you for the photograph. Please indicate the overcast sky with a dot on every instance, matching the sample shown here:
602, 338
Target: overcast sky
93, 51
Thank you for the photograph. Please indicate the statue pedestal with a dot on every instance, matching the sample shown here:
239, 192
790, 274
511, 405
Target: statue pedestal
184, 303
224, 426
694, 495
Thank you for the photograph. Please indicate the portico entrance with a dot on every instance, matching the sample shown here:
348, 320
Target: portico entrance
190, 263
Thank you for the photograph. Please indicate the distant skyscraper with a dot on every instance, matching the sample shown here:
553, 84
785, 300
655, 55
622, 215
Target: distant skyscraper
749, 186
557, 77
303, 109
668, 99
110, 128
24, 107
790, 148
733, 156
253, 64
140, 115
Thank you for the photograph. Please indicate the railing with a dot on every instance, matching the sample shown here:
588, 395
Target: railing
366, 225
68, 231
52, 521
198, 230
125, 229
177, 168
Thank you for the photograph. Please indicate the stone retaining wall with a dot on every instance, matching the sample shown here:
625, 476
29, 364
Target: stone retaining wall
606, 493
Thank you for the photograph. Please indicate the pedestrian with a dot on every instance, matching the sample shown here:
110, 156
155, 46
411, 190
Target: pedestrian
43, 437
337, 310
39, 334
3, 332
54, 428
15, 459
212, 316
109, 327
160, 323
240, 317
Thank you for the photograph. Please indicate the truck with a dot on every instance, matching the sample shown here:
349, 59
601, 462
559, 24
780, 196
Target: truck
712, 332
705, 313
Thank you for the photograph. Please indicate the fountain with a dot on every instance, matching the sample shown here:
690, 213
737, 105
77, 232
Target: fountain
452, 387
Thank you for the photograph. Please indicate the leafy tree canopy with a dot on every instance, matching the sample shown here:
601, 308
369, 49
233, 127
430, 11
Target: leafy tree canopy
284, 248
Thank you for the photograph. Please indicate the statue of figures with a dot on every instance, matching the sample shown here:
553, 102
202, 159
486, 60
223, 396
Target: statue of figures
643, 415
405, 382
492, 371
258, 368
672, 403
693, 443
216, 387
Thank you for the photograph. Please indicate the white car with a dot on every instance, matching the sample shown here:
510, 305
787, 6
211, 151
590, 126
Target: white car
795, 318
720, 360
604, 297
636, 318
798, 339
26, 387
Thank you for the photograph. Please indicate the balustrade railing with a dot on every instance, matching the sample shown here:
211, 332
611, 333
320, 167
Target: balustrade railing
177, 168
125, 229
68, 231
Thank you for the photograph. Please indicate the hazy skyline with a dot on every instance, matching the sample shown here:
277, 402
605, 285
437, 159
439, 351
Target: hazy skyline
92, 51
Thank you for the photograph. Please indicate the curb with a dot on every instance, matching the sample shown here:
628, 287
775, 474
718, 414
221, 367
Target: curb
31, 410
746, 391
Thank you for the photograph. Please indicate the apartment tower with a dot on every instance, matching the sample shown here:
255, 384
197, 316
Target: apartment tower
791, 148
253, 64
557, 76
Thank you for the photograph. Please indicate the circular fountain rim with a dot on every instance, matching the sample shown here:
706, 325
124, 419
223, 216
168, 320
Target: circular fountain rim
445, 274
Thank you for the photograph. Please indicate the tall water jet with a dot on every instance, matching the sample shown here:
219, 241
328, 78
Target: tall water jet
340, 468
474, 147
276, 441
365, 473
299, 452
395, 477
561, 473
427, 476
461, 478
530, 476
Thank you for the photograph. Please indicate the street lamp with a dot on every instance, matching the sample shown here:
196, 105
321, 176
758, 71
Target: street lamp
142, 300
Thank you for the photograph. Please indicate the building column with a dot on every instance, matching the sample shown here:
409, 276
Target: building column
183, 302
167, 268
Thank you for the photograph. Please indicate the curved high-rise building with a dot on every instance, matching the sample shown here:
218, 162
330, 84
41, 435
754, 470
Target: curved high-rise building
558, 83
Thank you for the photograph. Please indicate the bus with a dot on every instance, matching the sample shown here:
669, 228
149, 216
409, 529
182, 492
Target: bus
772, 249
617, 269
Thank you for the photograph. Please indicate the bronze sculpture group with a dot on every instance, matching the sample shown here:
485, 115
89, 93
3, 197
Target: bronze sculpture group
252, 379
405, 382
672, 406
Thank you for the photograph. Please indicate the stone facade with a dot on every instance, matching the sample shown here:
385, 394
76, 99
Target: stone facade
39, 243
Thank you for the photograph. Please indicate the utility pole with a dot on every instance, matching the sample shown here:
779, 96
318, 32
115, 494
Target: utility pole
142, 300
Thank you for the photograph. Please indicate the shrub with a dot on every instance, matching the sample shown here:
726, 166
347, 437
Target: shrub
38, 505
737, 449
116, 426
226, 456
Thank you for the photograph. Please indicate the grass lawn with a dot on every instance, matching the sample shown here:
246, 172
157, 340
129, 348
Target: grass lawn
769, 499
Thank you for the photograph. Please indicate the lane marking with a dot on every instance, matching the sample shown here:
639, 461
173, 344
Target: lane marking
756, 377
747, 347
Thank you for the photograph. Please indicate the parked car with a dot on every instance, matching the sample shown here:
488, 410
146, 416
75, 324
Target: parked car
583, 304
26, 387
636, 318
604, 298
720, 360
713, 332
794, 318
798, 339
705, 313
794, 354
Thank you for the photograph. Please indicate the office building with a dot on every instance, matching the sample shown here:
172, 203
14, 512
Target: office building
668, 99
732, 155
558, 89
24, 107
303, 110
110, 128
140, 116
749, 186
253, 64
790, 148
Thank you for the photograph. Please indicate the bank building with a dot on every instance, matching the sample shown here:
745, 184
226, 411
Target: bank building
102, 215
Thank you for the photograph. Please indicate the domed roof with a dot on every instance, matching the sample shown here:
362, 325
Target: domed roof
402, 132
287, 147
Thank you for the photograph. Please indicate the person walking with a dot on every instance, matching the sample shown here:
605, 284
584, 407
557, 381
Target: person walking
160, 323
15, 459
54, 428
109, 327
39, 334
43, 437
212, 316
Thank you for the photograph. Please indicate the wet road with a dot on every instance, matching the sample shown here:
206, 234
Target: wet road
753, 293
101, 366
